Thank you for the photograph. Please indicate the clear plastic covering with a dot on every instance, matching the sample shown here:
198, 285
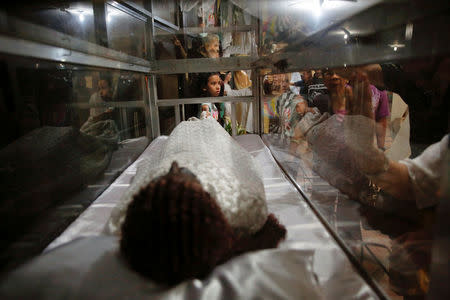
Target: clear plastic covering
365, 161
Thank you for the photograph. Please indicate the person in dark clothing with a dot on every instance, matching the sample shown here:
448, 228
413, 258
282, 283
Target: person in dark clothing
304, 83
423, 85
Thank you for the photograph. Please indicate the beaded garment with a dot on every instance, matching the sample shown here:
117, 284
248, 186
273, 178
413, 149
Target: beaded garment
225, 170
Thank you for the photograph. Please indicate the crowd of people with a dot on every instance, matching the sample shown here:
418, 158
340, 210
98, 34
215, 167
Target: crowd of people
342, 116
213, 84
358, 91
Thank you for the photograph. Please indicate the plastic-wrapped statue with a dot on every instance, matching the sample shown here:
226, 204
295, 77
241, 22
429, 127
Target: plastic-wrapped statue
200, 204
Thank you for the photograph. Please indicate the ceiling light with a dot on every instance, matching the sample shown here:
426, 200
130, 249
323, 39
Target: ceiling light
396, 46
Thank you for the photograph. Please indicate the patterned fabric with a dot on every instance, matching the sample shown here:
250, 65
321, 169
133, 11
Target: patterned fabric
105, 130
380, 103
224, 169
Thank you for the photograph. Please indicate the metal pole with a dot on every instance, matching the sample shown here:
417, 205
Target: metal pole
233, 119
152, 86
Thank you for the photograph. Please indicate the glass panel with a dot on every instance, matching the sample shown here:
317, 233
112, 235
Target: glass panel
290, 22
68, 132
210, 29
126, 33
165, 45
165, 9
348, 142
214, 87
210, 13
140, 3
166, 119
73, 18
362, 136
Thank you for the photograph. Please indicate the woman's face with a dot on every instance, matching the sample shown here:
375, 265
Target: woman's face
333, 81
213, 87
300, 108
212, 49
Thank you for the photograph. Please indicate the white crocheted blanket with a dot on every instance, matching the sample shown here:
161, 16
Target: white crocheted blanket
225, 170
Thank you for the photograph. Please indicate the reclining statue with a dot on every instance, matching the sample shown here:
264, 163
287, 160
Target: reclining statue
200, 203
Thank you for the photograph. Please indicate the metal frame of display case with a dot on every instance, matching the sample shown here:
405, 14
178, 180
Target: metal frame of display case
29, 40
376, 43
348, 252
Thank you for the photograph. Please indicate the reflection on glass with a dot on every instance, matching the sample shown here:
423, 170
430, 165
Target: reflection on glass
68, 132
72, 18
290, 22
140, 3
165, 9
355, 148
126, 33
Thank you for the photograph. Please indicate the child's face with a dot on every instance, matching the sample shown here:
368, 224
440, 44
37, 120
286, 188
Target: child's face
212, 49
103, 88
213, 87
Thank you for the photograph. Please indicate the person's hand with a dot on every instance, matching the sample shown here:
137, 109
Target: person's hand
360, 100
227, 78
176, 41
359, 127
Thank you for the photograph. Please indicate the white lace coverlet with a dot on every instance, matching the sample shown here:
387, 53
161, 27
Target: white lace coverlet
225, 170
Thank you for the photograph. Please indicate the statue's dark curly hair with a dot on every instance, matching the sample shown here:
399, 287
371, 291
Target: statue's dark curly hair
174, 230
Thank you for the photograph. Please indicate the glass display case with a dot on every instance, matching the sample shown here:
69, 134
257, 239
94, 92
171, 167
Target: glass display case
346, 94
387, 62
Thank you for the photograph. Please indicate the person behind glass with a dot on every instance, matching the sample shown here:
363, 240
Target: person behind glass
211, 46
211, 86
307, 80
415, 180
317, 77
197, 50
208, 48
335, 102
103, 95
290, 108
413, 184
424, 86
